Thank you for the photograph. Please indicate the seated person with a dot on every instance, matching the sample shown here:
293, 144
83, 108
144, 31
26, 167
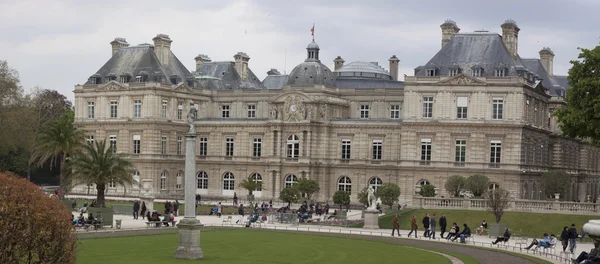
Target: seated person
90, 220
213, 210
264, 218
166, 220
503, 238
545, 242
482, 228
464, 234
453, 231
591, 257
251, 219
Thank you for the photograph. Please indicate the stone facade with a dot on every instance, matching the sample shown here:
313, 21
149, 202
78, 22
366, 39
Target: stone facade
345, 138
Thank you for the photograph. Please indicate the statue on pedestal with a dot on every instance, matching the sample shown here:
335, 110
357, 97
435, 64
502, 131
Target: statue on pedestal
191, 117
371, 198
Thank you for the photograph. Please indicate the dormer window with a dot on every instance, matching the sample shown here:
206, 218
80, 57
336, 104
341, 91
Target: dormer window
108, 79
500, 72
139, 79
124, 79
175, 79
431, 72
453, 72
478, 72
93, 80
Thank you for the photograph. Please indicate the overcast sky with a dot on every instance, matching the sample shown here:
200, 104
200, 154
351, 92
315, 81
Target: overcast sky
58, 44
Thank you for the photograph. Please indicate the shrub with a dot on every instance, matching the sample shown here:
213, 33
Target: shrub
427, 190
341, 198
388, 193
478, 184
455, 184
34, 227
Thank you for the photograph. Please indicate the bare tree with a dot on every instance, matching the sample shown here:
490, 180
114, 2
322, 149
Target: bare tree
497, 201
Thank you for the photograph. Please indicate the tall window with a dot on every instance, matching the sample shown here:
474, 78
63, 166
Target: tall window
163, 180
203, 146
180, 110
346, 144
461, 107
290, 180
257, 147
163, 145
425, 151
112, 139
225, 111
89, 139
165, 108
179, 145
179, 180
229, 147
137, 108
394, 111
113, 109
91, 106
123, 79
139, 79
500, 72
377, 148
461, 151
453, 72
136, 144
344, 184
495, 153
202, 180
228, 181
428, 106
255, 177
364, 111
112, 184
293, 146
477, 72
497, 108
251, 111
375, 182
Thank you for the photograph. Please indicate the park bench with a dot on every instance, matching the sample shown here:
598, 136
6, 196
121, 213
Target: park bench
227, 219
160, 223
314, 220
87, 226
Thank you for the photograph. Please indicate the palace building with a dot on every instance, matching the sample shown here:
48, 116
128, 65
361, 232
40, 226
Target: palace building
476, 107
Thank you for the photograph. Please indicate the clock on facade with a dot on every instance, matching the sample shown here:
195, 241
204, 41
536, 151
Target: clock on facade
293, 108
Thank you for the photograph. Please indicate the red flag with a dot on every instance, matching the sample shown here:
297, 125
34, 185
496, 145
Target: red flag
312, 31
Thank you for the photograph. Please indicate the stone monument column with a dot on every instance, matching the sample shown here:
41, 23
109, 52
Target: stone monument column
189, 227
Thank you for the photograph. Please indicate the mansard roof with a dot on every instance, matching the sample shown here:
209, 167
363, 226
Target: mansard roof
223, 75
556, 87
275, 81
141, 60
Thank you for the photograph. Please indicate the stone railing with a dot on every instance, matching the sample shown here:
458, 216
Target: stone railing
513, 205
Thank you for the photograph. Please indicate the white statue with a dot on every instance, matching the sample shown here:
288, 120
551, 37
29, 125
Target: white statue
192, 114
371, 198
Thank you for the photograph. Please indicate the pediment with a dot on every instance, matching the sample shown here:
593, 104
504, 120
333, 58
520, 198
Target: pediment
297, 96
182, 87
112, 86
462, 79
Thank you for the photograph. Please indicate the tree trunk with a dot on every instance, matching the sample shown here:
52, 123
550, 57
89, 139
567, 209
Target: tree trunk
498, 216
100, 199
61, 178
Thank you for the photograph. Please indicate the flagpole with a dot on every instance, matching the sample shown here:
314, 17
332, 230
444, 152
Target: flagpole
313, 33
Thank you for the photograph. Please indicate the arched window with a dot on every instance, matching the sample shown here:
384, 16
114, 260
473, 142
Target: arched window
424, 182
290, 180
202, 180
344, 184
228, 181
163, 180
136, 178
293, 146
375, 182
494, 186
256, 178
179, 180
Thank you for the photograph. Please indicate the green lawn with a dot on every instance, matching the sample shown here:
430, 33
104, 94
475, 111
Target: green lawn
520, 224
254, 246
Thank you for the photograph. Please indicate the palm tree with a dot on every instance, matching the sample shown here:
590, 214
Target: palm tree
56, 142
251, 186
98, 164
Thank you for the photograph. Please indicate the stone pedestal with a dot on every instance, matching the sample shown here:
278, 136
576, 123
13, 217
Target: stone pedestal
592, 229
371, 219
189, 239
149, 200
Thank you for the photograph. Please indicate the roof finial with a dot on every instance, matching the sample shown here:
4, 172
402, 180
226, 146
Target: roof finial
312, 32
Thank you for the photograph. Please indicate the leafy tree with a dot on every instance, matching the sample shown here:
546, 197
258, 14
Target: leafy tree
290, 195
497, 200
555, 181
427, 190
478, 184
455, 184
96, 163
388, 193
363, 196
35, 228
341, 198
580, 118
250, 185
307, 187
57, 141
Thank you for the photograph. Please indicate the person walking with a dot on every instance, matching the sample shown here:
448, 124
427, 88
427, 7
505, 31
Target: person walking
143, 210
176, 208
219, 209
443, 225
426, 225
432, 225
395, 225
564, 238
136, 209
413, 226
240, 214
572, 238
235, 199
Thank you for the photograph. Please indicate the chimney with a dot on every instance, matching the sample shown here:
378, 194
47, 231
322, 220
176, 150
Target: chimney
273, 71
547, 59
241, 64
394, 61
162, 48
201, 59
449, 29
117, 44
510, 36
338, 63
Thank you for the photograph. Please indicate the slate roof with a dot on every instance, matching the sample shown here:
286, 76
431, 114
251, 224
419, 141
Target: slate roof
551, 82
311, 73
141, 60
275, 81
362, 69
472, 50
368, 83
223, 75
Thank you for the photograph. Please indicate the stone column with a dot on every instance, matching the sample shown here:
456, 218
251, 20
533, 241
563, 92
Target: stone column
581, 192
189, 227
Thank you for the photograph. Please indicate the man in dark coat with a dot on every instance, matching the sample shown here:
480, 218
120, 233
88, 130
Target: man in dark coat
443, 224
426, 225
136, 209
176, 208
